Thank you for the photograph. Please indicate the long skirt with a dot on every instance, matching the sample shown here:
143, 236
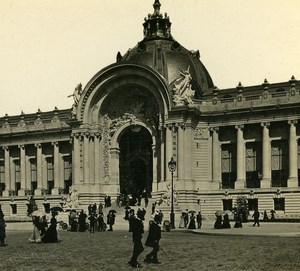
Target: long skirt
36, 236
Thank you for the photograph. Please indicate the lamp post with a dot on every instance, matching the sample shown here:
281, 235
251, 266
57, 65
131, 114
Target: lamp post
172, 168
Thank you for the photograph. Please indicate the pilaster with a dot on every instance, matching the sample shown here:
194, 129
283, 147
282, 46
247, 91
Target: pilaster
21, 192
266, 153
240, 181
8, 185
293, 155
216, 159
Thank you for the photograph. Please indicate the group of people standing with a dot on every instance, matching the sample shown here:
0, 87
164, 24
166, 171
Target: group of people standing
190, 220
42, 232
136, 226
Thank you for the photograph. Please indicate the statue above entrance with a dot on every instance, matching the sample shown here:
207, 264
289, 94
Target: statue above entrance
182, 90
76, 96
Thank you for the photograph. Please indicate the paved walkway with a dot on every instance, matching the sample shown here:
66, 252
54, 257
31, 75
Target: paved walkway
265, 229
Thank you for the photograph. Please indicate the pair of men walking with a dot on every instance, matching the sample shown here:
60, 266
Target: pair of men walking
137, 228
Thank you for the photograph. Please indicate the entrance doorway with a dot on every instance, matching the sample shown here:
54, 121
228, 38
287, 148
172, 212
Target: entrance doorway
136, 173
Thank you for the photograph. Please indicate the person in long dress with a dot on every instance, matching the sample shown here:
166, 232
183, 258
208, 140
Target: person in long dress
36, 235
192, 224
50, 235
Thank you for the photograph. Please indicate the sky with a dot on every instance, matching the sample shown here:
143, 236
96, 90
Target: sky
47, 47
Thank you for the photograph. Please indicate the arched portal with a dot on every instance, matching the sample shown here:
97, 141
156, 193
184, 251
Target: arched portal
136, 170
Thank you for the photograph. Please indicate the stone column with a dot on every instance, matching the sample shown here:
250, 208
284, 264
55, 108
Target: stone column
12, 174
86, 158
181, 153
76, 158
8, 185
39, 169
162, 154
44, 171
189, 152
293, 156
21, 192
114, 185
266, 157
56, 169
97, 158
169, 151
216, 159
154, 168
240, 181
92, 159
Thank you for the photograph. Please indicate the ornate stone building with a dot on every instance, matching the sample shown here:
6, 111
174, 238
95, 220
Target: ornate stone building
156, 102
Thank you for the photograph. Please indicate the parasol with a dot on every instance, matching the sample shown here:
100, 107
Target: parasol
192, 212
219, 212
228, 212
56, 209
113, 211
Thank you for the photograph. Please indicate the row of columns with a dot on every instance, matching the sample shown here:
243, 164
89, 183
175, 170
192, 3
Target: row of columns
266, 157
87, 164
25, 170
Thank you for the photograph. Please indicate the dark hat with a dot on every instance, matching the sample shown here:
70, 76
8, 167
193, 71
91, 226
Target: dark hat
157, 218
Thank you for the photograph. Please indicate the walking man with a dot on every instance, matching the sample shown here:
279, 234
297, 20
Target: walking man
153, 241
137, 229
199, 220
256, 217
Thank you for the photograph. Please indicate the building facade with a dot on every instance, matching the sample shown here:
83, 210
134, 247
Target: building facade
156, 102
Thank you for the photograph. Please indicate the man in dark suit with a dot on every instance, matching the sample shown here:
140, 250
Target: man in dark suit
153, 241
256, 217
137, 229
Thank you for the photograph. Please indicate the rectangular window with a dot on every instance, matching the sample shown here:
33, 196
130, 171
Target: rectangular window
50, 169
227, 204
33, 169
280, 163
17, 170
252, 204
2, 172
2, 177
13, 208
279, 204
253, 164
47, 207
228, 165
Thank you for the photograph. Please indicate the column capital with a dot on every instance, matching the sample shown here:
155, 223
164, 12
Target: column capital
77, 135
6, 148
38, 145
97, 135
22, 146
265, 124
293, 122
55, 143
239, 127
214, 129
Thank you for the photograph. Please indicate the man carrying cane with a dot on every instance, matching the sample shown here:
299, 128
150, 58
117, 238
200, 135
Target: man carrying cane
153, 241
137, 228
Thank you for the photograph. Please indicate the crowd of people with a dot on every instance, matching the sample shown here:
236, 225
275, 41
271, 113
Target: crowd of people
94, 220
223, 222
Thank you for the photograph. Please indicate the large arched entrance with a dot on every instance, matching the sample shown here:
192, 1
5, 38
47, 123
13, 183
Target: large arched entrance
136, 171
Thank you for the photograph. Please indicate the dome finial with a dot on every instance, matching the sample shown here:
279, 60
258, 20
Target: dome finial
157, 26
156, 7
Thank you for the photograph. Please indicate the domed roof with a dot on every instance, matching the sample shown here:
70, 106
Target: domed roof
162, 52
